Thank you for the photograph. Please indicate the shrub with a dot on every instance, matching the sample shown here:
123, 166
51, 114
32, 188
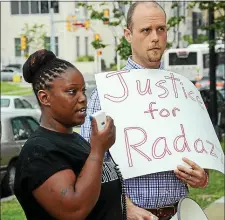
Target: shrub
85, 59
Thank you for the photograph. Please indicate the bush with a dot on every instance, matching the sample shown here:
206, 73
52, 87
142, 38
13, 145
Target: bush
113, 67
85, 59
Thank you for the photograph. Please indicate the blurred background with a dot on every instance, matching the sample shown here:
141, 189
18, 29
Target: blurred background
90, 35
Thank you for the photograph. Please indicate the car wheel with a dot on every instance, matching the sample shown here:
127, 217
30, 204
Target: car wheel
8, 181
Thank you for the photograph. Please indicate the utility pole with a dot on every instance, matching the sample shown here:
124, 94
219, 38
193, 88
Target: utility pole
178, 29
52, 39
212, 66
224, 47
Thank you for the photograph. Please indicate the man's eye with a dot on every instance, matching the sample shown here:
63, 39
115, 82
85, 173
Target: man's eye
161, 29
146, 30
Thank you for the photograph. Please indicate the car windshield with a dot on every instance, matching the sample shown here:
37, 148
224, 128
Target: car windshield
5, 103
7, 70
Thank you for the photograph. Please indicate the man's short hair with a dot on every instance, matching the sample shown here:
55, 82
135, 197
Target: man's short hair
132, 8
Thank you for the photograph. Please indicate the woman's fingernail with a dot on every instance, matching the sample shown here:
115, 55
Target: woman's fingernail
90, 117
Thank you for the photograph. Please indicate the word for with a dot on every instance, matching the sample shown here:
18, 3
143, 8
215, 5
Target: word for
163, 112
199, 146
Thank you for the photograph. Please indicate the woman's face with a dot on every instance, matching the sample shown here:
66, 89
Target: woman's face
68, 101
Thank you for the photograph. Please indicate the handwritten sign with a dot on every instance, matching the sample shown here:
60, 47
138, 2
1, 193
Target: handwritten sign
160, 117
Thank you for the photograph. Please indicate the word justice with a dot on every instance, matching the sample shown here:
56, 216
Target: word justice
148, 90
160, 147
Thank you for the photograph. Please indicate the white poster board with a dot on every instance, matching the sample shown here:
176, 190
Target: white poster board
160, 117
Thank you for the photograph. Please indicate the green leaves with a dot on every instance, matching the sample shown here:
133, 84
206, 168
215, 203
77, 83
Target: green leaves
95, 15
118, 18
200, 39
97, 44
35, 35
124, 49
173, 21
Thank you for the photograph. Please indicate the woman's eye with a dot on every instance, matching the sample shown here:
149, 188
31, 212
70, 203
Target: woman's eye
84, 91
72, 91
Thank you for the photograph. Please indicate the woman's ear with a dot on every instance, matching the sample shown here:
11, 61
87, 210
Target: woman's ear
44, 97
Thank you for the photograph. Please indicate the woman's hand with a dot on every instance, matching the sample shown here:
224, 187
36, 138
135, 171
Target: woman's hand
104, 139
195, 176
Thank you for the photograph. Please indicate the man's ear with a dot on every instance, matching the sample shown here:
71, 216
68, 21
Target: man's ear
44, 97
127, 35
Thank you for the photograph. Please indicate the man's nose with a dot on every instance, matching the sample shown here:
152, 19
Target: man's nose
154, 36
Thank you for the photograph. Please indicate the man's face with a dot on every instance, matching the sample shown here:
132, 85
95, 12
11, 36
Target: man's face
148, 36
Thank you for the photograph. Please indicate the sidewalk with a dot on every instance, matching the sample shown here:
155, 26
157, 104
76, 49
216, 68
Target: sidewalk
215, 211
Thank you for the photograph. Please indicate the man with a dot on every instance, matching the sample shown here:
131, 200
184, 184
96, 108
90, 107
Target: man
146, 32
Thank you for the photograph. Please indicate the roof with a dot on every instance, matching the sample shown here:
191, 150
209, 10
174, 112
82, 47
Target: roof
11, 96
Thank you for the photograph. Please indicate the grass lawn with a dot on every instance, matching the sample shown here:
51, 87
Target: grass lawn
14, 89
11, 210
215, 189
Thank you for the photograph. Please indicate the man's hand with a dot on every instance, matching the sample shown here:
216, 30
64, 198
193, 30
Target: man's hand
136, 213
195, 176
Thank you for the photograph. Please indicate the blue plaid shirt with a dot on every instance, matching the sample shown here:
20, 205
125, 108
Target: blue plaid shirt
149, 191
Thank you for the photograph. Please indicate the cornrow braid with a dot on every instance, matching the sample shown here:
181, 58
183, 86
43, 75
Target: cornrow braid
48, 73
42, 67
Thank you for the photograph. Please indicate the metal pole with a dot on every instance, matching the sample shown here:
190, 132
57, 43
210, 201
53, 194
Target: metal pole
117, 56
96, 61
52, 40
178, 14
212, 66
100, 63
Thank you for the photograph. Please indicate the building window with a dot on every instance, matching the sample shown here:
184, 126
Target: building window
33, 7
86, 45
14, 8
55, 5
44, 7
17, 47
77, 10
18, 52
78, 45
85, 11
121, 7
48, 45
24, 7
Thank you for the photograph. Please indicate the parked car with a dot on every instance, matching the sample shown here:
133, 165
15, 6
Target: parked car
222, 92
204, 83
14, 65
8, 74
205, 93
15, 130
19, 104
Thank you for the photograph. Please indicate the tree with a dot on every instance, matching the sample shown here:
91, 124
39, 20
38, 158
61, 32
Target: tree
118, 19
219, 25
36, 36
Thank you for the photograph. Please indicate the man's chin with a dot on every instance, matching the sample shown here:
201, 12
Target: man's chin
154, 60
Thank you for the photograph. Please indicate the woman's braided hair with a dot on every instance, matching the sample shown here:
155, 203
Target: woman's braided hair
43, 67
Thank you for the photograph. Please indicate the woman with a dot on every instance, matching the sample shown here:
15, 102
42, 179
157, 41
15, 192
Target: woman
58, 174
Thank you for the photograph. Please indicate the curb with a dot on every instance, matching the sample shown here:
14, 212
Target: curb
8, 198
